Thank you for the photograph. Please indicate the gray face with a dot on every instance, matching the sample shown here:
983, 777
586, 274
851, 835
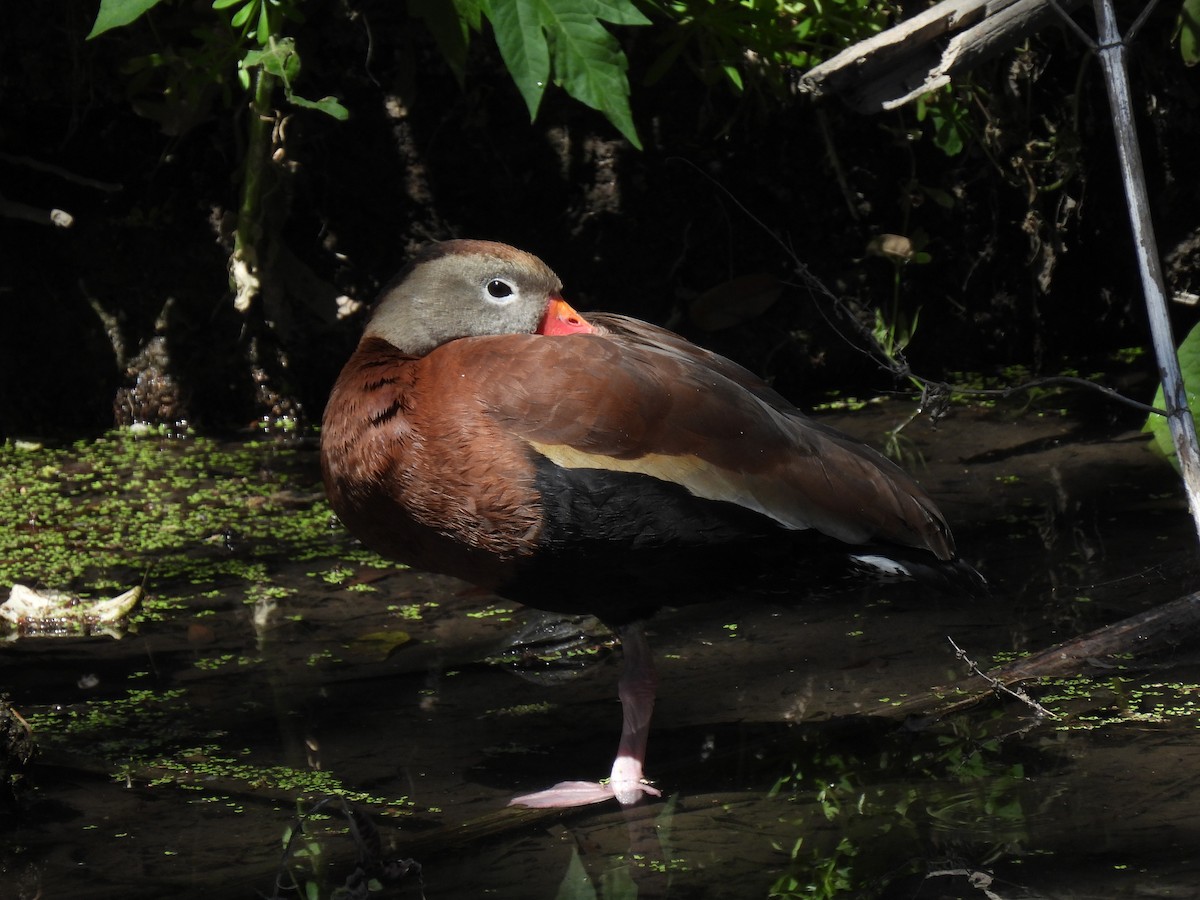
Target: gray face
464, 289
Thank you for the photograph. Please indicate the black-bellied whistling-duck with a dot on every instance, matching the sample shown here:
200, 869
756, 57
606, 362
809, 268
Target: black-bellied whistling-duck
485, 429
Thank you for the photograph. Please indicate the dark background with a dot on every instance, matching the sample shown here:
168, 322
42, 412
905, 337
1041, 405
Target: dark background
128, 315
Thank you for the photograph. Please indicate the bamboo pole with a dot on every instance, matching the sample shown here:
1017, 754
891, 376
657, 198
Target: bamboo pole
1112, 52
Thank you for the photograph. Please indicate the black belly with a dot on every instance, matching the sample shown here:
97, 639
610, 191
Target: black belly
619, 545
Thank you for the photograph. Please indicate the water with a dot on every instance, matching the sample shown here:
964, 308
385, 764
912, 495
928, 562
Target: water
175, 761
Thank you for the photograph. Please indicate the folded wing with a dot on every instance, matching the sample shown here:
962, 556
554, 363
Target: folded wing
641, 400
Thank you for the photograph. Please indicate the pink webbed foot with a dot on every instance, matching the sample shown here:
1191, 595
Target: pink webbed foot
626, 785
568, 794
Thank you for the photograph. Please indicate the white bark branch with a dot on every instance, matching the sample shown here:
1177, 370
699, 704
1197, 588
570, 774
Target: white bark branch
923, 53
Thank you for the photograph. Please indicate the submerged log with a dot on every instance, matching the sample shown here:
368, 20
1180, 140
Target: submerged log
1171, 624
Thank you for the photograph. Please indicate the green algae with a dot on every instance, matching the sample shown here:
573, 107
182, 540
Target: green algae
338, 575
159, 738
1087, 703
196, 767
412, 612
96, 516
521, 709
500, 613
210, 528
133, 727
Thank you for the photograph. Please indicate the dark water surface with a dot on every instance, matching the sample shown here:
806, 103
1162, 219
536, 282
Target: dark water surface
175, 760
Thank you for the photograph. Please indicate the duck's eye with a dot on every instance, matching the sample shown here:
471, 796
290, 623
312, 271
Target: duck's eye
499, 290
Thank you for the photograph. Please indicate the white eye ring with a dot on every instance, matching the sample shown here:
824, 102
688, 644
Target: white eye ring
499, 291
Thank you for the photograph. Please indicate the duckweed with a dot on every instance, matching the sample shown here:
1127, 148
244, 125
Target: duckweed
132, 727
412, 611
1117, 700
197, 765
492, 610
96, 516
335, 575
524, 709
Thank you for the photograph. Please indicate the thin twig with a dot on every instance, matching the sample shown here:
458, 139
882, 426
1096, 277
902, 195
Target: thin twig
1074, 26
1140, 21
895, 363
62, 173
1000, 687
1061, 379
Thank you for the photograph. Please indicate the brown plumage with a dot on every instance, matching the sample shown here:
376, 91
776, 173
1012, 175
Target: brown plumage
485, 430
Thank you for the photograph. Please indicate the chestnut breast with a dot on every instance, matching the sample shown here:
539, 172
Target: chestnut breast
416, 471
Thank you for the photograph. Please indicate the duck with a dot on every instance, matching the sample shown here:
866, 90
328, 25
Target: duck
485, 429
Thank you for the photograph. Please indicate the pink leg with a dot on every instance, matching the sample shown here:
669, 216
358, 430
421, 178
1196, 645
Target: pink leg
636, 690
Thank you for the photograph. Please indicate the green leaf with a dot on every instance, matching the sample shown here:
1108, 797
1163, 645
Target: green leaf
382, 644
264, 24
263, 58
587, 60
618, 12
949, 116
517, 25
450, 26
115, 13
328, 105
279, 59
242, 15
471, 13
1189, 364
1189, 32
590, 65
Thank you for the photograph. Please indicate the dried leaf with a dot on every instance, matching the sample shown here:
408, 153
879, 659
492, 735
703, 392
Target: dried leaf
735, 302
895, 247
